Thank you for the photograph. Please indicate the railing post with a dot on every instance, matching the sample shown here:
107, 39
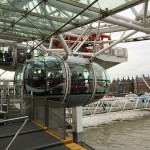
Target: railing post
25, 121
23, 124
1, 99
21, 103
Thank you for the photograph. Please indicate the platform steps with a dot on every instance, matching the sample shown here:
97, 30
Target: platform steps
33, 137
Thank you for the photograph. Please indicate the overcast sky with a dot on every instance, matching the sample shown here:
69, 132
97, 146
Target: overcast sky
138, 54
138, 61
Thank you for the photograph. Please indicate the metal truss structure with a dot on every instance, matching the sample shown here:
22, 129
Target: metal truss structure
78, 27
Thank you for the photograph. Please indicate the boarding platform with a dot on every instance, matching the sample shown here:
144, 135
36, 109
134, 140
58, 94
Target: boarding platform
33, 136
39, 123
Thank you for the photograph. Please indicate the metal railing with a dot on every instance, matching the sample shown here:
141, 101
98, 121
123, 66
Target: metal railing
23, 124
113, 104
51, 114
56, 118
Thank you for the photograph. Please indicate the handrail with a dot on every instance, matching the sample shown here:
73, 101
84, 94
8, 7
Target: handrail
23, 124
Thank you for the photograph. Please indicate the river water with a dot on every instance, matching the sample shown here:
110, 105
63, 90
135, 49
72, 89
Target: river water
120, 135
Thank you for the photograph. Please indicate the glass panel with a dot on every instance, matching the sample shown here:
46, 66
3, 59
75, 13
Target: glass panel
81, 78
102, 79
39, 109
45, 75
55, 76
35, 76
57, 118
103, 4
38, 52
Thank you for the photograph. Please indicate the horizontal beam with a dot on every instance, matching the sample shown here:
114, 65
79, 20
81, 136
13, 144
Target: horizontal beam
22, 31
114, 43
10, 37
126, 24
97, 10
24, 24
100, 15
7, 41
22, 11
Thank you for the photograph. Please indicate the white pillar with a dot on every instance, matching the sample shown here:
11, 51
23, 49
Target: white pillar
77, 124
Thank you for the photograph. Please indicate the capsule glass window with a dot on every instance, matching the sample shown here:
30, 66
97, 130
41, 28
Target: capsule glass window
81, 78
103, 81
35, 76
55, 76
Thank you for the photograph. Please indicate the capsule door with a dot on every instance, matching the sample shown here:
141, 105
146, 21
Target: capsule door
102, 82
82, 79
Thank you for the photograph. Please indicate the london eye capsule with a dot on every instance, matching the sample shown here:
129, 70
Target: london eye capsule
75, 81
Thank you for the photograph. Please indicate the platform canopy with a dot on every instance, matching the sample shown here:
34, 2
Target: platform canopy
24, 20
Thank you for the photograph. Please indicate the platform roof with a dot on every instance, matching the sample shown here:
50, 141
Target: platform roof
24, 20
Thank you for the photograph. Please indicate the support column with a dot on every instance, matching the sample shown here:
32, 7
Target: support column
77, 124
15, 55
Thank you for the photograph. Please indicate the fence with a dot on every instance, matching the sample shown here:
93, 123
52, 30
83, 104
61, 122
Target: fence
117, 104
51, 114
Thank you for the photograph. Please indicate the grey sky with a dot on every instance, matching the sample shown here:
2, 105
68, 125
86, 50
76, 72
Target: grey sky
138, 61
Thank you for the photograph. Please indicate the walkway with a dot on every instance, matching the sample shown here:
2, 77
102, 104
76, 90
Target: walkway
33, 137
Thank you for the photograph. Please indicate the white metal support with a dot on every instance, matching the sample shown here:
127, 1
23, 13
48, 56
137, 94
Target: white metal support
133, 10
68, 80
17, 133
147, 102
100, 104
114, 43
79, 36
145, 82
123, 34
51, 43
114, 103
126, 24
63, 43
88, 108
95, 42
81, 44
42, 46
120, 17
145, 6
77, 124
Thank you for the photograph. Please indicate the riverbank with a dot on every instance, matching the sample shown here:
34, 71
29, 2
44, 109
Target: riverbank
105, 118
